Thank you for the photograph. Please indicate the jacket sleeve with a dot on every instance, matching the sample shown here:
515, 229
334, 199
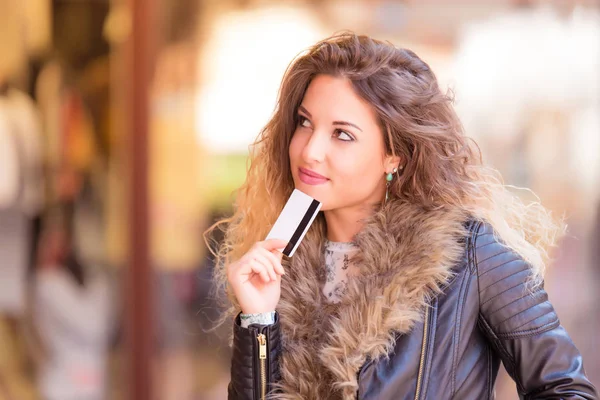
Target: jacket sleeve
522, 326
248, 371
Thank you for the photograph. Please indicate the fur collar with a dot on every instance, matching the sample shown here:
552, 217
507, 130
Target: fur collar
406, 257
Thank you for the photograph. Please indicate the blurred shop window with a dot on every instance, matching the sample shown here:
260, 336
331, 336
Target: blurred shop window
73, 320
535, 110
21, 198
240, 69
21, 193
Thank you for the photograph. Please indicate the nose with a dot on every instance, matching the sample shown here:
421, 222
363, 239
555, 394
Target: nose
315, 148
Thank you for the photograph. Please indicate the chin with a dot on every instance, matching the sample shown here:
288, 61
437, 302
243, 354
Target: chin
325, 207
312, 191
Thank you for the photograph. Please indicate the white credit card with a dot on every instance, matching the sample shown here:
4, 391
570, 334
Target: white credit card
296, 217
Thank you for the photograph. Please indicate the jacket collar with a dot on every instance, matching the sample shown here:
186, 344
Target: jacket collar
406, 257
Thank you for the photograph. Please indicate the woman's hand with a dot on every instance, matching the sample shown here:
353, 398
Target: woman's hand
256, 277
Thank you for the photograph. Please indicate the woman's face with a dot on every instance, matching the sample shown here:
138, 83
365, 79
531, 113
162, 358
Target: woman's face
337, 153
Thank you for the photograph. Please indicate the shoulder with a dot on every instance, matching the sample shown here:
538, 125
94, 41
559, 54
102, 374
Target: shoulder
509, 300
488, 253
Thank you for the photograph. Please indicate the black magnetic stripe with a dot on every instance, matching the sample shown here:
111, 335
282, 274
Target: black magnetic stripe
305, 220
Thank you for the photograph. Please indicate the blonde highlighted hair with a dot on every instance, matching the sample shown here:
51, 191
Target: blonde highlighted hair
442, 167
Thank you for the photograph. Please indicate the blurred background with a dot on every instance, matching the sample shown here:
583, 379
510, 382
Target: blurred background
124, 129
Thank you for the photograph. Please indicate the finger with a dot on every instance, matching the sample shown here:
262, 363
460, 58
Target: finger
266, 262
248, 266
273, 244
275, 261
259, 269
278, 254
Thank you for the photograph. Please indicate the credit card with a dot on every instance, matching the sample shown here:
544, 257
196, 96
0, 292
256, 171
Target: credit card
296, 217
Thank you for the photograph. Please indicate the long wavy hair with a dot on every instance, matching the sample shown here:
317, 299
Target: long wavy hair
443, 167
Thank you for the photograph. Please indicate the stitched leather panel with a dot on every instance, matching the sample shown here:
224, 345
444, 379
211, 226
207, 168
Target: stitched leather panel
245, 366
507, 300
274, 346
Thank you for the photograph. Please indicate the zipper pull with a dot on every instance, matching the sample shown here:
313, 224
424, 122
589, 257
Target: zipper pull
262, 349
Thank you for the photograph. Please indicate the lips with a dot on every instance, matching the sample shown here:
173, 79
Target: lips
310, 177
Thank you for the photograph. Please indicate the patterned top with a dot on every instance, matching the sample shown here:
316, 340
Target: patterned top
338, 266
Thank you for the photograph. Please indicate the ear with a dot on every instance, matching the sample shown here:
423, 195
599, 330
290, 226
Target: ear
390, 162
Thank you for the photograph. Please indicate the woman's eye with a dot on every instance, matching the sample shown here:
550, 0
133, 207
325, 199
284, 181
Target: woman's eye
343, 136
303, 121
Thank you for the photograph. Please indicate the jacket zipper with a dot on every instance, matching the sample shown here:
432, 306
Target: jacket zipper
262, 358
423, 350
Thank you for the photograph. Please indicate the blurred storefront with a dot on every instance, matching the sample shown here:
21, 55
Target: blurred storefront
212, 79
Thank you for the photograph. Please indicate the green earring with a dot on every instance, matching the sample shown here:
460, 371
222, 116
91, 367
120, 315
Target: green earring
389, 177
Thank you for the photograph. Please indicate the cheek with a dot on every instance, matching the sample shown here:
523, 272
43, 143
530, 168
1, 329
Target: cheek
358, 169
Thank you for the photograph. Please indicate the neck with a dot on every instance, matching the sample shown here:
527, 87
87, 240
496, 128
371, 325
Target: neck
343, 224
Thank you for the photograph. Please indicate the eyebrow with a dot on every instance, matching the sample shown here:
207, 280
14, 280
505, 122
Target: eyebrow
343, 123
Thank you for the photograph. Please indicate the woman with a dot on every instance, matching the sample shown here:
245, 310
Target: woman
421, 273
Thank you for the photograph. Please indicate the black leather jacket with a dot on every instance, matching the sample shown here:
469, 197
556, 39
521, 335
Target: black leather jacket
483, 317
